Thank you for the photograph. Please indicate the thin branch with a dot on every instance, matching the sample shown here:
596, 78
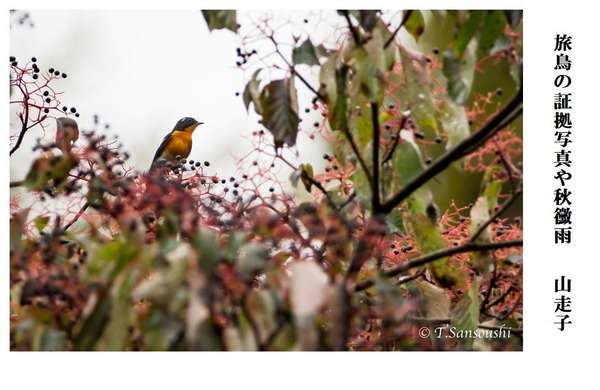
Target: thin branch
393, 36
470, 143
359, 156
18, 183
355, 36
375, 185
509, 168
294, 71
389, 154
24, 127
79, 214
499, 212
436, 255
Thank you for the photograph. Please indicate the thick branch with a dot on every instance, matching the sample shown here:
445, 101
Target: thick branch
470, 143
436, 255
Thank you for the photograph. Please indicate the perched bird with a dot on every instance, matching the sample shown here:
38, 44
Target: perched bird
177, 143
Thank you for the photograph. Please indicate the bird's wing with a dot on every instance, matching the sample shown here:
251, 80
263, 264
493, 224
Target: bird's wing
161, 147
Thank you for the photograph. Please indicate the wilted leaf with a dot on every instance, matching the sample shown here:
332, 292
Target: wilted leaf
305, 54
218, 19
17, 224
280, 111
415, 24
307, 175
252, 94
437, 303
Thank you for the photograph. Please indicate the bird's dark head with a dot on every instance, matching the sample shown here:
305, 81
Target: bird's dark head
186, 124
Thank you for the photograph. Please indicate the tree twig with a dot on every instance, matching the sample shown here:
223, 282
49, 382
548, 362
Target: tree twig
393, 36
18, 183
77, 216
432, 256
355, 36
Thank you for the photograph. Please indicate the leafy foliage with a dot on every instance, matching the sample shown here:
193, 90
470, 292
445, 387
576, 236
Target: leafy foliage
412, 222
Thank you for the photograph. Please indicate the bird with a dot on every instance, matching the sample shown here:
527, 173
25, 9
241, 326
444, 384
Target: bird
178, 143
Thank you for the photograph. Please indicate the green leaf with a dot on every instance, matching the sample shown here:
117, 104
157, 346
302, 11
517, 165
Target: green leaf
466, 313
466, 31
415, 24
452, 69
41, 222
395, 223
455, 123
305, 54
206, 245
407, 159
253, 257
493, 27
252, 94
94, 324
418, 84
280, 111
437, 303
368, 62
218, 19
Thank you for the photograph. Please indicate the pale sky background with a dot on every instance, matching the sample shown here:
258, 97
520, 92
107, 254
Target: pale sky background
147, 70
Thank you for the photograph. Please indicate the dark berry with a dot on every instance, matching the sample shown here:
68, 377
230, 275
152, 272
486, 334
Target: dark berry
73, 110
12, 58
307, 110
77, 115
316, 124
435, 50
223, 181
438, 140
499, 91
33, 59
65, 108
46, 93
48, 100
35, 76
51, 70
64, 75
271, 189
428, 160
14, 63
46, 110
419, 135
206, 164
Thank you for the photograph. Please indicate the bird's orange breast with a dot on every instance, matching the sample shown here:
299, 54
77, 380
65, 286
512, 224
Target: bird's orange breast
180, 144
